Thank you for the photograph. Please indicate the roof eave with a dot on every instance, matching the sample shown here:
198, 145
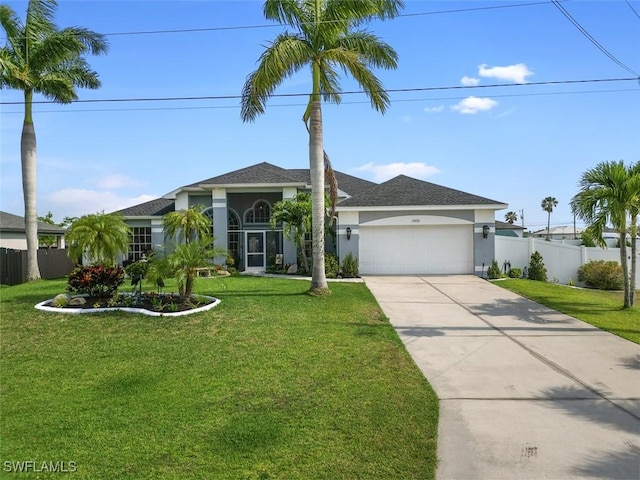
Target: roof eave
391, 208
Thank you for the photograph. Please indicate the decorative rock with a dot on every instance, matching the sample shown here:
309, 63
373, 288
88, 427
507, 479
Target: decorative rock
60, 300
222, 273
77, 301
292, 269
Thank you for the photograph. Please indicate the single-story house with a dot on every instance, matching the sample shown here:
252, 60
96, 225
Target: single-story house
14, 236
401, 226
506, 229
562, 232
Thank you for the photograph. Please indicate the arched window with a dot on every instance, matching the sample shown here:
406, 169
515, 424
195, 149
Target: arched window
209, 213
233, 222
259, 213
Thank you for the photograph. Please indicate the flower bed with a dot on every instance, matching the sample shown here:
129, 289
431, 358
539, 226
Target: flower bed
147, 303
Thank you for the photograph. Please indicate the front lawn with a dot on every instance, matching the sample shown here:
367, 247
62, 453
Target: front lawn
602, 309
271, 384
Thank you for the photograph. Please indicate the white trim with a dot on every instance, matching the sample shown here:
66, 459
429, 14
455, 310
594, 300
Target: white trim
415, 221
395, 208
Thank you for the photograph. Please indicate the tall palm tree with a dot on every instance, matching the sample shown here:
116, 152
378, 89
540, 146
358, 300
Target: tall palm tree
39, 58
548, 204
323, 37
609, 194
101, 237
187, 225
511, 217
634, 212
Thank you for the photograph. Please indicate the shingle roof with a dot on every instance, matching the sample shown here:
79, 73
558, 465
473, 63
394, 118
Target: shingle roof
407, 191
15, 223
260, 173
347, 183
153, 208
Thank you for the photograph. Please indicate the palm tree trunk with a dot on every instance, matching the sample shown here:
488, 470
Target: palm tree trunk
548, 225
632, 285
28, 158
625, 266
316, 162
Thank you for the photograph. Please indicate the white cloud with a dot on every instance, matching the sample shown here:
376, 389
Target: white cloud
78, 201
437, 109
473, 105
382, 173
116, 181
514, 73
469, 81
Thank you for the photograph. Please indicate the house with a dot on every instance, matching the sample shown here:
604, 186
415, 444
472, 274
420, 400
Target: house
563, 232
401, 226
13, 234
505, 229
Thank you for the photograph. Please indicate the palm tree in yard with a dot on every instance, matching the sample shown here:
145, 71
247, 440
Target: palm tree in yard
101, 237
295, 216
40, 58
548, 204
187, 225
511, 217
324, 38
610, 194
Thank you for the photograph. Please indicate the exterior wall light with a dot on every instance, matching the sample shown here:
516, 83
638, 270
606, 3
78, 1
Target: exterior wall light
485, 231
348, 233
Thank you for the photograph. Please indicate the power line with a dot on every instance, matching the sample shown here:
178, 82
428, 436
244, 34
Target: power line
632, 9
352, 92
223, 107
582, 30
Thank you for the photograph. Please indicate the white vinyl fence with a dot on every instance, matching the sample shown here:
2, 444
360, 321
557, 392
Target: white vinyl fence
562, 260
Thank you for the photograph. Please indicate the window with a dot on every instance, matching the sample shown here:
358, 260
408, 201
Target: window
209, 213
140, 243
233, 236
259, 213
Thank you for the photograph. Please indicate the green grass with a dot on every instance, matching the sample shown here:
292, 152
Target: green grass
271, 384
602, 309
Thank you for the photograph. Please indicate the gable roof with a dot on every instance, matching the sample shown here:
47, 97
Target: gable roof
153, 208
261, 173
407, 191
15, 223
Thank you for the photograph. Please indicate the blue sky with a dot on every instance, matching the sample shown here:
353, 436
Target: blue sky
516, 144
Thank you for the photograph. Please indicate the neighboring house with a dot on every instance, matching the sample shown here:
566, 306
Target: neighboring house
14, 236
401, 226
563, 232
506, 229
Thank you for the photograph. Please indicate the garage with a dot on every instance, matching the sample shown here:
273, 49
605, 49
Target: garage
424, 249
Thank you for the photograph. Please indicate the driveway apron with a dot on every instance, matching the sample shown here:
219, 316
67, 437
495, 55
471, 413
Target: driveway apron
525, 392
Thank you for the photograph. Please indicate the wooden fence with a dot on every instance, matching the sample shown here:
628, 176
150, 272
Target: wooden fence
53, 263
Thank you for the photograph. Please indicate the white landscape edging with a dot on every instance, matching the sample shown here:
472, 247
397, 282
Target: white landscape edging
42, 306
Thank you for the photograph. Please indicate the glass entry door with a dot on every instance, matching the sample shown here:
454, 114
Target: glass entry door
255, 250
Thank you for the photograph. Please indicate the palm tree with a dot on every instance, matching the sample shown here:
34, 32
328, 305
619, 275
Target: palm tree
610, 193
511, 217
295, 216
634, 211
323, 38
187, 224
39, 58
548, 203
101, 237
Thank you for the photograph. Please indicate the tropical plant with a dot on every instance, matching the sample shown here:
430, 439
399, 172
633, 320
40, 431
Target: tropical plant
38, 58
187, 258
548, 204
295, 217
511, 217
537, 270
494, 271
187, 225
332, 265
610, 194
96, 280
324, 38
101, 237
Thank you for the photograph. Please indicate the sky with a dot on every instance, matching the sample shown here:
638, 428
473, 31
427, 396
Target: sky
479, 102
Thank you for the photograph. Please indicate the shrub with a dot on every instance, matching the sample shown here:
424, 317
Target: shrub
96, 280
601, 275
537, 270
350, 266
515, 273
493, 271
331, 265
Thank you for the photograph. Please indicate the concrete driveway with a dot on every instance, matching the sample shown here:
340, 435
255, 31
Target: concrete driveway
525, 392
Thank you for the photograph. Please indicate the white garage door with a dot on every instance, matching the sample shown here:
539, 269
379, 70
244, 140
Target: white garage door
433, 249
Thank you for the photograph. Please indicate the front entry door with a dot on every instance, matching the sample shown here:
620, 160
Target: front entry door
255, 251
